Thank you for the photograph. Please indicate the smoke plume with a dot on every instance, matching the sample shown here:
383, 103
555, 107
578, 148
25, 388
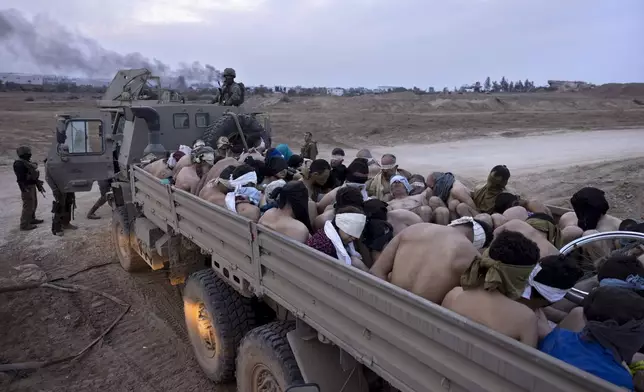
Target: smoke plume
55, 49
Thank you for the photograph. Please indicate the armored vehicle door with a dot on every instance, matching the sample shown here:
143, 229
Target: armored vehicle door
82, 152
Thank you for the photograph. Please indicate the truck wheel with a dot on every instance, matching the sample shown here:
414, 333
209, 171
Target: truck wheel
225, 126
265, 361
121, 235
217, 318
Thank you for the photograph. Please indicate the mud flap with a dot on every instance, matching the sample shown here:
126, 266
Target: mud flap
327, 365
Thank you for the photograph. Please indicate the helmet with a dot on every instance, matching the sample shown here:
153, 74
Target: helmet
230, 72
23, 151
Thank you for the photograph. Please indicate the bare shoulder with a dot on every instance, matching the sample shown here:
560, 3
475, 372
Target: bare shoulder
450, 298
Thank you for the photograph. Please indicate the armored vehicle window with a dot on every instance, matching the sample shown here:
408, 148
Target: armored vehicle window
202, 120
181, 121
84, 137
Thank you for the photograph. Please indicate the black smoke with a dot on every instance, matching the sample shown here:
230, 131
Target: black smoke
55, 49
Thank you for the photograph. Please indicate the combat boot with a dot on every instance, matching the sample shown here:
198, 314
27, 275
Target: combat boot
69, 226
28, 227
37, 221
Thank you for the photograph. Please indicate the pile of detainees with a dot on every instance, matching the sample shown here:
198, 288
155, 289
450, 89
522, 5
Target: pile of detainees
489, 254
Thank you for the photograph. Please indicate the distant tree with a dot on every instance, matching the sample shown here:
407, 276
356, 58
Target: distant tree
445, 90
504, 84
511, 87
477, 87
496, 87
455, 89
528, 85
487, 84
291, 92
518, 86
431, 90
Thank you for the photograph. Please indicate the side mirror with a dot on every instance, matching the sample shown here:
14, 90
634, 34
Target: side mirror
304, 388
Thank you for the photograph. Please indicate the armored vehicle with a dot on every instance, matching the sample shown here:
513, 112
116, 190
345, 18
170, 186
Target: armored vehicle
265, 309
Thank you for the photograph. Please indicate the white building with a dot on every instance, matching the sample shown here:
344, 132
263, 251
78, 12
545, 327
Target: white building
337, 91
21, 78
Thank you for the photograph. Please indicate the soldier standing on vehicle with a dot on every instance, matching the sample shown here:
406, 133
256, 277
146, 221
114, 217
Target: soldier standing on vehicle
232, 93
310, 148
27, 176
62, 207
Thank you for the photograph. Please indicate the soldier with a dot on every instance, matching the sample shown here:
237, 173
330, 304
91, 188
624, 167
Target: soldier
104, 187
231, 93
27, 176
310, 148
62, 208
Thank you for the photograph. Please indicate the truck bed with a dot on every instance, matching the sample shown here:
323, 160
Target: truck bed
414, 344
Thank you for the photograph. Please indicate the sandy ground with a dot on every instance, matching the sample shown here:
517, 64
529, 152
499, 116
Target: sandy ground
148, 349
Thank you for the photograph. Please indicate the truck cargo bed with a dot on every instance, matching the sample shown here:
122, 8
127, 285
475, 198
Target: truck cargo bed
412, 343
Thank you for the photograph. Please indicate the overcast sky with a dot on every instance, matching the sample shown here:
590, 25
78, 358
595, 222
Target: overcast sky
367, 42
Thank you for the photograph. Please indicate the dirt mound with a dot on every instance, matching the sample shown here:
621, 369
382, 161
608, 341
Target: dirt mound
611, 90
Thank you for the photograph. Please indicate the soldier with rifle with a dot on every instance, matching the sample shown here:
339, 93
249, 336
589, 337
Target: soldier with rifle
231, 93
27, 176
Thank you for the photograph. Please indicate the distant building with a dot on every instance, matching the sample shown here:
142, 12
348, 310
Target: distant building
337, 91
36, 80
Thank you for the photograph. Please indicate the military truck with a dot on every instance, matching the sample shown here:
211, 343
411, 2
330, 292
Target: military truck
269, 311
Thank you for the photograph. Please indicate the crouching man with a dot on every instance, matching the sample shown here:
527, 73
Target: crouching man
428, 259
504, 288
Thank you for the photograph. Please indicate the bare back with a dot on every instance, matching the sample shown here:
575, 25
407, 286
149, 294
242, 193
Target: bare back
187, 179
215, 171
545, 247
428, 260
159, 169
495, 311
274, 219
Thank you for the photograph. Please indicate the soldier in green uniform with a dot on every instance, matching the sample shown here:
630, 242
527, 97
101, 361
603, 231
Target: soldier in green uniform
232, 93
62, 208
27, 176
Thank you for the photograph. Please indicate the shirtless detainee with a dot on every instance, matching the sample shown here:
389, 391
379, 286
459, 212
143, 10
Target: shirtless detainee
378, 186
356, 176
374, 167
449, 193
215, 172
164, 168
491, 285
427, 260
291, 217
589, 217
203, 158
401, 199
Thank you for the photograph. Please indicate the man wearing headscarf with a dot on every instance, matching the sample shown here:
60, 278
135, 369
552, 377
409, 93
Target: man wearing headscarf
589, 217
402, 200
493, 282
485, 197
203, 158
291, 217
428, 259
27, 176
379, 186
613, 333
285, 151
337, 237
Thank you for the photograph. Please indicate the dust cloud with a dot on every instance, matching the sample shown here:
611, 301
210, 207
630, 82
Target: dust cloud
53, 48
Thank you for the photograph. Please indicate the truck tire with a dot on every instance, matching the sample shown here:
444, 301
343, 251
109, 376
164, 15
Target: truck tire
266, 361
121, 237
225, 126
217, 318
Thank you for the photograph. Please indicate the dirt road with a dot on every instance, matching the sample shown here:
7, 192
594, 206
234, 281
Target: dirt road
475, 157
148, 350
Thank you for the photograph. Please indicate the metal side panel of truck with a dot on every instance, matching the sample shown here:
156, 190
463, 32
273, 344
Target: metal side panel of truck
412, 343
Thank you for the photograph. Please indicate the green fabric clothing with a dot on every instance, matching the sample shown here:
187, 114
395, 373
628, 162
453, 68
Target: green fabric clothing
485, 197
491, 275
553, 233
